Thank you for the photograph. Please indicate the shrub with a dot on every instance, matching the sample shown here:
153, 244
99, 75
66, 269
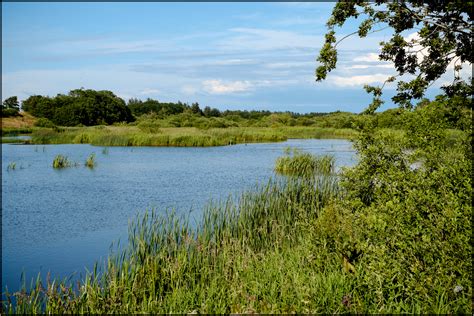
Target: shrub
44, 122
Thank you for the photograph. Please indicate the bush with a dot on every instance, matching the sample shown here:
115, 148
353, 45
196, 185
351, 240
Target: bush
405, 223
44, 122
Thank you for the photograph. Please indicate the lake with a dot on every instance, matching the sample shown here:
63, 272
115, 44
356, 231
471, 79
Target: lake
65, 220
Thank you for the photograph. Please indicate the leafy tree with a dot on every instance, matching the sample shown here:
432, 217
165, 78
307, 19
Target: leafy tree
196, 109
80, 106
211, 112
10, 106
443, 37
11, 103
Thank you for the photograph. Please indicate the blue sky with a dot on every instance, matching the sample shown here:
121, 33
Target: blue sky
225, 55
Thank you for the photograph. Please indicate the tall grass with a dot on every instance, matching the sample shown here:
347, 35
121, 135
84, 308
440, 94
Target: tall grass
61, 162
298, 163
183, 136
13, 131
240, 258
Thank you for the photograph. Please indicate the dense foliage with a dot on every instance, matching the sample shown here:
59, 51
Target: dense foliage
79, 107
443, 37
10, 107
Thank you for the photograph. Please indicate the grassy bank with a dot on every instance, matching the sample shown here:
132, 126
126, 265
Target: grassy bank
253, 254
182, 136
15, 125
300, 244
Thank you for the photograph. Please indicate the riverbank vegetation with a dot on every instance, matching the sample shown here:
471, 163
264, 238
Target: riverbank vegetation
180, 124
391, 235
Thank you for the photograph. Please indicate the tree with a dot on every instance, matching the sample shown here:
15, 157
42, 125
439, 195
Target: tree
443, 37
10, 106
80, 106
196, 109
11, 103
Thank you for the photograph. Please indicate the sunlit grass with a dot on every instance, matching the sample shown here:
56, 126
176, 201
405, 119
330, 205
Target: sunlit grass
180, 137
298, 163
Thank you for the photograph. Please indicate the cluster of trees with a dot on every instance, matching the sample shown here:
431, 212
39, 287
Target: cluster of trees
79, 107
10, 107
163, 109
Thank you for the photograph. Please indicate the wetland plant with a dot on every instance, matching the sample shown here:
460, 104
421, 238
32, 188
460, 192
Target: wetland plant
90, 161
61, 162
295, 162
11, 166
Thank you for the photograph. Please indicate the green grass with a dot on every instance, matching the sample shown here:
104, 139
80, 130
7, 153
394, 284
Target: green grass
302, 164
13, 131
180, 137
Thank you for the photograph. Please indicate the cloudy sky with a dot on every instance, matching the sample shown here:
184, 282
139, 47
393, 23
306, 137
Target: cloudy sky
225, 55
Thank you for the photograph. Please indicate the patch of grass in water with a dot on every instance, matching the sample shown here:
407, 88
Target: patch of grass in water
298, 163
61, 162
90, 161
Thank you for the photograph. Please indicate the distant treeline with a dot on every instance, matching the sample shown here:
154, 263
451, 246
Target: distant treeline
91, 107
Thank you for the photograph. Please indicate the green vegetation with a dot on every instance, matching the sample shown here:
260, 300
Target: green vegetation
11, 166
12, 131
61, 161
80, 106
10, 107
301, 164
90, 161
392, 236
133, 136
443, 32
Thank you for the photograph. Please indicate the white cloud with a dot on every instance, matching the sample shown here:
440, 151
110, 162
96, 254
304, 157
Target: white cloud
235, 61
370, 57
219, 87
360, 66
149, 91
252, 39
352, 81
189, 89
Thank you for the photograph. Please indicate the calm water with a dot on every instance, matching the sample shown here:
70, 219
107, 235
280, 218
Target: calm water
64, 220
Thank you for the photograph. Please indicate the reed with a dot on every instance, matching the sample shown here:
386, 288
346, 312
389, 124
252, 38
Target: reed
172, 266
61, 162
90, 161
180, 137
301, 164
